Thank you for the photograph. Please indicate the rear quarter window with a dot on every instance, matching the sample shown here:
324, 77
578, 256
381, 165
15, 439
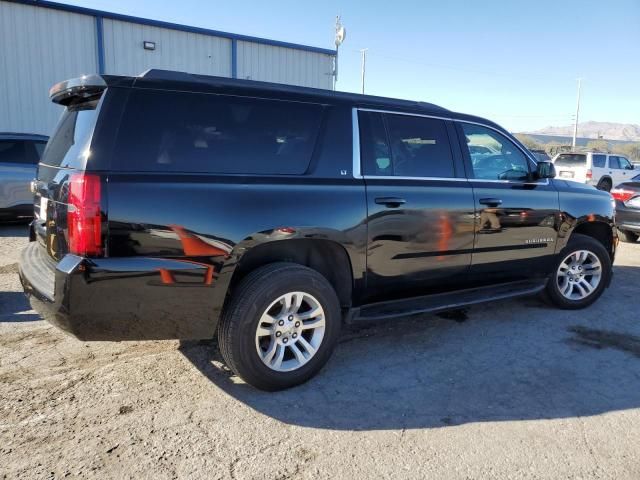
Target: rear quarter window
68, 146
571, 160
208, 133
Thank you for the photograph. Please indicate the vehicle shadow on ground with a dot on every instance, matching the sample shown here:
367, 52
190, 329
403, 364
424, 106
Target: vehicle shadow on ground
517, 360
15, 308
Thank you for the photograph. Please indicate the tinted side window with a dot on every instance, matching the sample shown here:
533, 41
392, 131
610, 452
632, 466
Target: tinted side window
375, 153
499, 159
599, 161
205, 133
12, 151
24, 152
419, 147
614, 162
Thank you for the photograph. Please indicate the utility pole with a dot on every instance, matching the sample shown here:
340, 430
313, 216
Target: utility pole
363, 65
575, 125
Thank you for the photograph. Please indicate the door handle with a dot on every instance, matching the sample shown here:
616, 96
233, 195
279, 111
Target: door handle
490, 202
391, 202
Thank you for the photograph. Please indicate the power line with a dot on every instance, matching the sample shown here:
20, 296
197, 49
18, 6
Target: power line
457, 68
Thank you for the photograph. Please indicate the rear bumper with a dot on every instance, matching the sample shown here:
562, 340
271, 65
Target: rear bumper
121, 298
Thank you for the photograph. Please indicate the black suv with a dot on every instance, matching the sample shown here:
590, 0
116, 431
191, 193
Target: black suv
173, 205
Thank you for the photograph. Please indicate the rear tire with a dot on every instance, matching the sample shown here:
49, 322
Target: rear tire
628, 236
605, 184
581, 273
280, 326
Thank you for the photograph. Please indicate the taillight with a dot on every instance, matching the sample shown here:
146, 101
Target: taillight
84, 219
589, 175
622, 194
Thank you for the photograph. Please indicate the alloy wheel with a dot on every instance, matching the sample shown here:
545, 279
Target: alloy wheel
290, 331
579, 275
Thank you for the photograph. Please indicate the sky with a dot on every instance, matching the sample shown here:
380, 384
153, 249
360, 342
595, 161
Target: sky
515, 62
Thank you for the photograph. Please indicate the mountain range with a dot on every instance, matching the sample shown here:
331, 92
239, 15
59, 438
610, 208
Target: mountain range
606, 130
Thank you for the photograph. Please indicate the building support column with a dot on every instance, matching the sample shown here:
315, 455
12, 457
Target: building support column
234, 58
100, 44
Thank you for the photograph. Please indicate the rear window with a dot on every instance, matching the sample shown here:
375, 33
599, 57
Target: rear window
68, 147
22, 152
571, 160
207, 133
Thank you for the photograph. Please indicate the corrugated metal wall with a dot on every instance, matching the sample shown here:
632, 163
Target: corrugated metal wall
39, 47
269, 63
175, 50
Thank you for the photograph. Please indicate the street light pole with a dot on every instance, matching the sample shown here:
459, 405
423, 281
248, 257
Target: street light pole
363, 65
575, 125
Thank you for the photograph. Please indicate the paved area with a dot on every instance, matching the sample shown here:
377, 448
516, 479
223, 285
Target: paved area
510, 390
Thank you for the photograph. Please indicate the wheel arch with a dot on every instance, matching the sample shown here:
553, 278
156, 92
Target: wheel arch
327, 257
607, 178
601, 231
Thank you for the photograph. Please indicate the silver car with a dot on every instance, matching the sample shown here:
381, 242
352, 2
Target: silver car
19, 157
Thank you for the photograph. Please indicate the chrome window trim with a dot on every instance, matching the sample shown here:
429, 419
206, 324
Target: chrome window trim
356, 149
393, 177
356, 143
512, 182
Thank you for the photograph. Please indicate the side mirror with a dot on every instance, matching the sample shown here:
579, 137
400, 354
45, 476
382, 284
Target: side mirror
545, 170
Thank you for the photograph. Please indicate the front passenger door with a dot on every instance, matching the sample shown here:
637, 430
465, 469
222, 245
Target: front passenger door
621, 169
516, 217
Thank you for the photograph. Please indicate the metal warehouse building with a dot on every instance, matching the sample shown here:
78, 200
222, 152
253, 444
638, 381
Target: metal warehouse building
42, 43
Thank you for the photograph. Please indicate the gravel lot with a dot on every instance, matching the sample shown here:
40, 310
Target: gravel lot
513, 390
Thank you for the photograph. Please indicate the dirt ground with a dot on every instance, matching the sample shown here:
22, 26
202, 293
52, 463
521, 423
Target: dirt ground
510, 390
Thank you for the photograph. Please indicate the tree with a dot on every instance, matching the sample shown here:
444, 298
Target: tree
529, 142
598, 145
629, 150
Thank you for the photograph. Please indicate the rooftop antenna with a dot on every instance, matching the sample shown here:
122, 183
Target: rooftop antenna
341, 33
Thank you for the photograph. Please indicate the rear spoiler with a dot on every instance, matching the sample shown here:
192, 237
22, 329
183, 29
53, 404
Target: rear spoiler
85, 87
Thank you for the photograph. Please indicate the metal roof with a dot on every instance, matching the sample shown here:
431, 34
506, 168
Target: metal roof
169, 25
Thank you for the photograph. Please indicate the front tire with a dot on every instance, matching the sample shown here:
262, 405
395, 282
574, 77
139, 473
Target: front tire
581, 274
627, 236
280, 326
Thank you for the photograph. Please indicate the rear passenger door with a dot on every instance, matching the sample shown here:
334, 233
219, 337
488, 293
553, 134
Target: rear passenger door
516, 216
420, 206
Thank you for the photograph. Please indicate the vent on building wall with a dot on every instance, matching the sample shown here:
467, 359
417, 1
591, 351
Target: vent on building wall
149, 45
